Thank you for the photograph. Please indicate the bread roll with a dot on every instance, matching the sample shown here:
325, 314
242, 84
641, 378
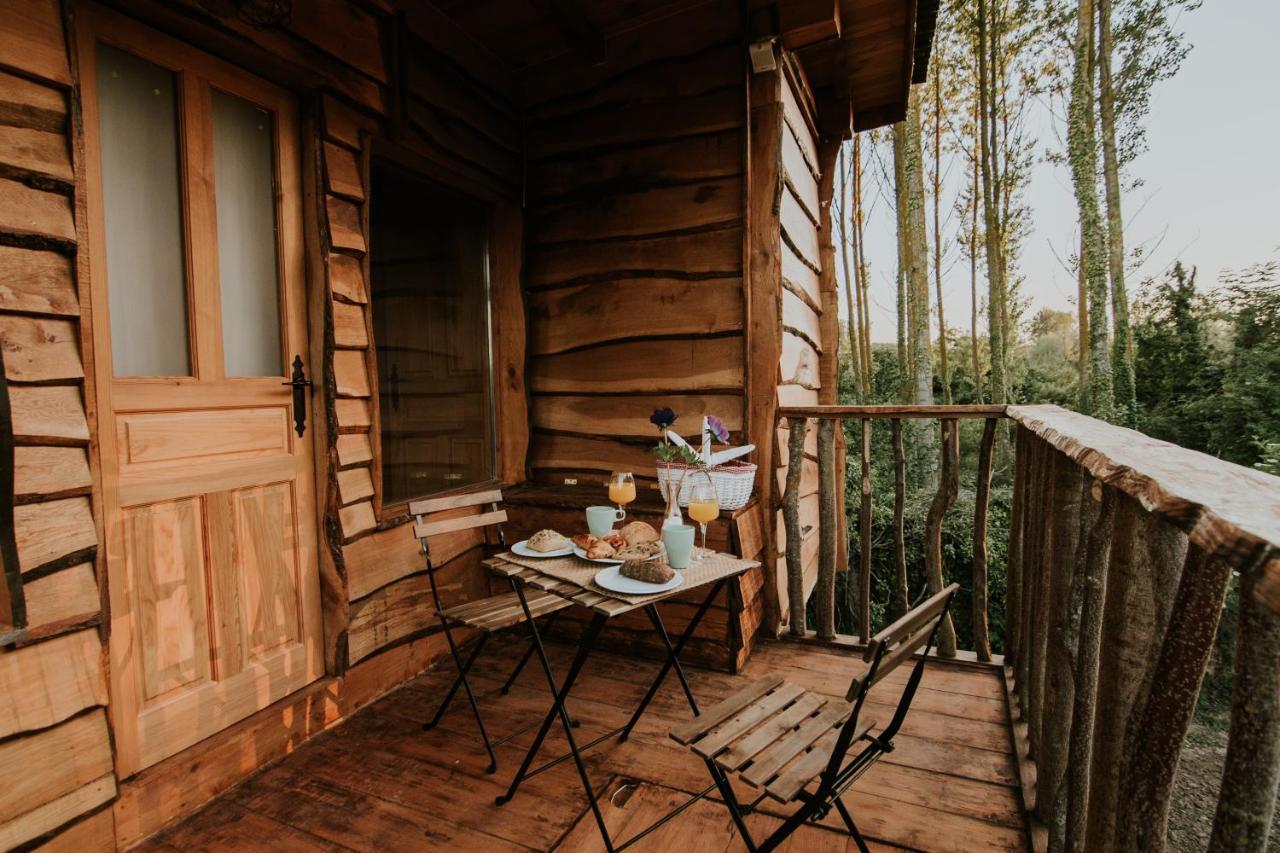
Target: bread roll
639, 531
547, 540
649, 571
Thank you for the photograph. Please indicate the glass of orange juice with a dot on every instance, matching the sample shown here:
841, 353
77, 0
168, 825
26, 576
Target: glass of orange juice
622, 489
704, 506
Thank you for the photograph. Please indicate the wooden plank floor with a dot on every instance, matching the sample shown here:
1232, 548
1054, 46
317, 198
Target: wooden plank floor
380, 783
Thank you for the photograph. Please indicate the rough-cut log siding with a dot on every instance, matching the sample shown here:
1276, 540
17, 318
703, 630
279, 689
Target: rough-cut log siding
800, 374
55, 754
634, 243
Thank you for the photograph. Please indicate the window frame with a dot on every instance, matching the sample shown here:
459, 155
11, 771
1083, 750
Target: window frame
391, 157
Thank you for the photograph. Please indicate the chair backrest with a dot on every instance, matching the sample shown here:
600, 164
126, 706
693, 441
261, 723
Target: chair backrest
914, 631
424, 529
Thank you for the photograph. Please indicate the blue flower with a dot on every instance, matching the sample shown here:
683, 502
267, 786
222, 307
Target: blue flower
662, 418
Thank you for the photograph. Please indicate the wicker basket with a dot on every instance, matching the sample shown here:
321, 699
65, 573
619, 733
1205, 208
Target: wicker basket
733, 481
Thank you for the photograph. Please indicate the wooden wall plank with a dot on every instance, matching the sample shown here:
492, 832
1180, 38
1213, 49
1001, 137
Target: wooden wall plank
41, 767
40, 153
354, 484
346, 279
639, 121
342, 171
656, 211
344, 225
799, 230
797, 314
64, 596
36, 282
629, 416
58, 811
40, 350
353, 449
356, 519
691, 364
49, 531
350, 374
94, 834
41, 414
50, 471
689, 255
349, 329
35, 213
24, 103
352, 414
584, 453
69, 672
31, 39
571, 317
344, 30
800, 276
510, 341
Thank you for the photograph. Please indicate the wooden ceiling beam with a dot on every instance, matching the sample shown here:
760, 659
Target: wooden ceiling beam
577, 28
802, 23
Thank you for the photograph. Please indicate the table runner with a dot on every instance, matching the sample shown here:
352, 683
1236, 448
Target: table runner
582, 572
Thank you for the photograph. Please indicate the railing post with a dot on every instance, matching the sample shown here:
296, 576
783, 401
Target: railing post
948, 487
982, 502
901, 594
1014, 574
791, 519
1248, 797
864, 538
826, 588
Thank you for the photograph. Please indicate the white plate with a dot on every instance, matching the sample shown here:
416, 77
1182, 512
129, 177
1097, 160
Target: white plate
522, 549
607, 561
613, 580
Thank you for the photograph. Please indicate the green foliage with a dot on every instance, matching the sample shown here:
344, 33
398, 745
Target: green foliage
676, 453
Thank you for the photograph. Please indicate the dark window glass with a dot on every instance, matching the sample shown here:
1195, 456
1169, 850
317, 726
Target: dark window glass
429, 291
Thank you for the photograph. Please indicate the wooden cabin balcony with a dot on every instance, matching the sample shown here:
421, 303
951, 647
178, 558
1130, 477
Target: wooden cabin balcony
378, 782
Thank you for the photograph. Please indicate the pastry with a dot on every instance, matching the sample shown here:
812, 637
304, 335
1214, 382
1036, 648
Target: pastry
585, 541
640, 551
639, 531
648, 571
600, 550
546, 540
615, 539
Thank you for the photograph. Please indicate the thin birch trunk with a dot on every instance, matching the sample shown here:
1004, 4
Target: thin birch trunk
844, 216
986, 135
861, 280
944, 373
973, 266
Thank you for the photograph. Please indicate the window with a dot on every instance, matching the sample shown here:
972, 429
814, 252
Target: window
192, 263
430, 297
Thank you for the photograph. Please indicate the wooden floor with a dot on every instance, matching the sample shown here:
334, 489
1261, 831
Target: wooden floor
380, 783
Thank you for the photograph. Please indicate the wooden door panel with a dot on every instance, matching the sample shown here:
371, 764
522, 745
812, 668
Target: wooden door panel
165, 555
149, 437
265, 521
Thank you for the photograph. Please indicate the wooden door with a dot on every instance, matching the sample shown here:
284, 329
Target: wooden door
198, 309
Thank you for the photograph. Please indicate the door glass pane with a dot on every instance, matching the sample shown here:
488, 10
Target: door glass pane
141, 197
244, 189
429, 270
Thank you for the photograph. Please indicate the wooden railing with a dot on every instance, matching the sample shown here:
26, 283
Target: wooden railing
1121, 550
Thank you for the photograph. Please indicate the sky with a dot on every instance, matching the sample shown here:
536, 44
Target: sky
1210, 176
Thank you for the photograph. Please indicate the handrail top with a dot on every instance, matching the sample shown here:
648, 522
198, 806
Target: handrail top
968, 410
1227, 509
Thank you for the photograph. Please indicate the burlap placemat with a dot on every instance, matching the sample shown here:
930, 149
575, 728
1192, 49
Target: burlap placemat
582, 572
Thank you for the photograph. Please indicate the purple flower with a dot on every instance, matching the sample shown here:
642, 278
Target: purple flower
717, 430
662, 418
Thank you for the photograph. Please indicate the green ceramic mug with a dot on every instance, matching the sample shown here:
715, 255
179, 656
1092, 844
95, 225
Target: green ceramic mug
678, 540
600, 519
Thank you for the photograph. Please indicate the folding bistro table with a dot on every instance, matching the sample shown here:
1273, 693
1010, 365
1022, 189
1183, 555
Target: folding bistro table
571, 578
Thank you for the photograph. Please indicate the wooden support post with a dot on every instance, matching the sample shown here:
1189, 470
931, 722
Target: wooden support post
982, 502
791, 519
864, 537
901, 594
826, 589
1247, 800
948, 487
1048, 460
1013, 564
1142, 578
1151, 759
1091, 573
1061, 619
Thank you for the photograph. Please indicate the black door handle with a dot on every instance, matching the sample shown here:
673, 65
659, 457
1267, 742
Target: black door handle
300, 383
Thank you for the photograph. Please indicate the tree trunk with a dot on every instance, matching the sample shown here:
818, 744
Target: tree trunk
1082, 150
973, 268
918, 257
860, 271
901, 593
944, 374
982, 501
1082, 333
791, 520
1248, 796
826, 585
864, 544
948, 487
844, 215
986, 134
1126, 399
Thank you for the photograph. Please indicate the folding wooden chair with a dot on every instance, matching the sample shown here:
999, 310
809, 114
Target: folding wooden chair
488, 615
782, 738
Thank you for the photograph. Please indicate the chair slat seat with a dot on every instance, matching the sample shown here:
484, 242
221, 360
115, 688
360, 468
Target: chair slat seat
502, 611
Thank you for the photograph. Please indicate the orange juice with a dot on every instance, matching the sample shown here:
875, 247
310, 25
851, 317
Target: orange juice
704, 511
622, 493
